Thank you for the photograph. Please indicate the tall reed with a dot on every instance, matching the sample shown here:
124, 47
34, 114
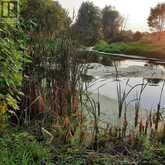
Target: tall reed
158, 113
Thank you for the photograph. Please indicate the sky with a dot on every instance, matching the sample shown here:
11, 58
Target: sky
135, 12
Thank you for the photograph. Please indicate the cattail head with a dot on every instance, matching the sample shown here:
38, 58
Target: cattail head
141, 127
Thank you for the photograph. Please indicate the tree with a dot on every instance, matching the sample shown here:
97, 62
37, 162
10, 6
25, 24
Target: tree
112, 22
123, 36
88, 26
45, 21
156, 20
137, 36
48, 15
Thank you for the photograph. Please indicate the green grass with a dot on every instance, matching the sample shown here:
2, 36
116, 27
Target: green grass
19, 147
133, 48
142, 152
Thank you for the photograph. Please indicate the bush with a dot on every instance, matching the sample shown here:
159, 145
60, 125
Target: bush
12, 57
102, 45
131, 48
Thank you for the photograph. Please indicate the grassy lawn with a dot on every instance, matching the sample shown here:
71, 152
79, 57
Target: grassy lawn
148, 49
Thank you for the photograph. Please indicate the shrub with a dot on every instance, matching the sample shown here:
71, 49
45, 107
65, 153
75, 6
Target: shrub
101, 45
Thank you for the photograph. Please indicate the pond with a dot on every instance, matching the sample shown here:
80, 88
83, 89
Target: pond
131, 72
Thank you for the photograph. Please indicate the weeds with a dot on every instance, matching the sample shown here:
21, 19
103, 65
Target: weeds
19, 147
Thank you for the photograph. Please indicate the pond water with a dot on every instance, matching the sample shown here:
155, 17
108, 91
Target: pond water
132, 72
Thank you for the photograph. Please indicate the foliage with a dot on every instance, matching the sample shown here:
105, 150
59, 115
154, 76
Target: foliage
102, 45
124, 36
111, 153
112, 22
152, 153
19, 147
133, 48
13, 56
3, 110
49, 16
12, 21
64, 96
45, 21
11, 65
88, 28
137, 36
61, 90
156, 20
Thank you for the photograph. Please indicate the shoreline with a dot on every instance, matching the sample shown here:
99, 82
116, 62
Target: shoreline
133, 50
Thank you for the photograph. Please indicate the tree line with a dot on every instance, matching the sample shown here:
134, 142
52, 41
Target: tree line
156, 20
91, 24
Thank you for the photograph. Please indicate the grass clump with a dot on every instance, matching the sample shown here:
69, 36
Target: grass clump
20, 147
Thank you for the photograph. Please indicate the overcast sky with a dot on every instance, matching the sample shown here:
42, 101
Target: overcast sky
136, 11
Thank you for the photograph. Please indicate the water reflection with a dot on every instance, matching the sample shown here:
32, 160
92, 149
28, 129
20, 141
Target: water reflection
154, 81
136, 71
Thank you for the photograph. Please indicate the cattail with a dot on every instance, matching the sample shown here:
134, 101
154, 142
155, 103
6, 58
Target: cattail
141, 127
150, 120
152, 134
164, 131
82, 135
75, 103
124, 130
68, 135
72, 131
125, 124
66, 122
146, 127
98, 105
119, 133
99, 109
157, 117
115, 132
41, 104
130, 138
136, 114
110, 132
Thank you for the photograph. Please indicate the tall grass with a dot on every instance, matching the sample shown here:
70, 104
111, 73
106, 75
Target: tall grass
122, 94
158, 113
138, 102
19, 147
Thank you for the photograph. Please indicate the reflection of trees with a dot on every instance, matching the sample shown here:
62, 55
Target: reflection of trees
86, 78
107, 61
117, 63
153, 81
